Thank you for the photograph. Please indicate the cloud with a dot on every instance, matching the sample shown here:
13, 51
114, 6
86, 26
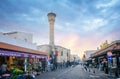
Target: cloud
76, 43
80, 24
108, 3
94, 24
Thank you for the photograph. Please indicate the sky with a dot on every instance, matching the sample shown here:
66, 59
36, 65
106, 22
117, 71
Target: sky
80, 24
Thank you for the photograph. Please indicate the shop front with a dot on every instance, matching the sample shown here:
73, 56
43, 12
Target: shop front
34, 62
109, 59
20, 58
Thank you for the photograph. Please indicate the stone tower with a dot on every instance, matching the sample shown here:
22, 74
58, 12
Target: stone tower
51, 20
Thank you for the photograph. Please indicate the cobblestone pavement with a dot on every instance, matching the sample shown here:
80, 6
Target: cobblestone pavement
77, 72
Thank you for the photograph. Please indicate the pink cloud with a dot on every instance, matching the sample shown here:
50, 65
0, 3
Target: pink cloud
78, 44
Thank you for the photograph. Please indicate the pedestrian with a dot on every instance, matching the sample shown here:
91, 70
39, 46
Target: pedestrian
47, 66
85, 67
40, 66
94, 70
3, 68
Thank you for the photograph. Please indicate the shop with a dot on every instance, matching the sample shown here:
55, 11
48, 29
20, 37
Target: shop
19, 57
108, 59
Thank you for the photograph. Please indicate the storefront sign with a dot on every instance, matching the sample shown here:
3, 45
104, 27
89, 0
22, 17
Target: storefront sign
9, 54
12, 53
19, 54
37, 56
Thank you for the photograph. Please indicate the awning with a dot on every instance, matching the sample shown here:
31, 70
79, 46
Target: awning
37, 56
4, 52
20, 49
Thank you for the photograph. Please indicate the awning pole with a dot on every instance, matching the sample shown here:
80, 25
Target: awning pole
25, 65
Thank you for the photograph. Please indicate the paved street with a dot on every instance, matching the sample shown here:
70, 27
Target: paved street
73, 73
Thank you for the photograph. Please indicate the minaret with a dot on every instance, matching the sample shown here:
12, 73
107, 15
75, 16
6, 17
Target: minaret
51, 20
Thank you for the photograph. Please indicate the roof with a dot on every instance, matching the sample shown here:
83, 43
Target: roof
51, 13
20, 49
114, 45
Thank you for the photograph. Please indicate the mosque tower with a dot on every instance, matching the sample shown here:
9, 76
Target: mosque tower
51, 20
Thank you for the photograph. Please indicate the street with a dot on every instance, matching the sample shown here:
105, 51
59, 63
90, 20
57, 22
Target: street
77, 72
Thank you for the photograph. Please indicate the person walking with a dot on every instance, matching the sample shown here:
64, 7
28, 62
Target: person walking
85, 67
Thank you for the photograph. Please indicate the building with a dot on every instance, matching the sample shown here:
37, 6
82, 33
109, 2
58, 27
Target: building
44, 48
74, 58
14, 40
51, 20
109, 57
88, 53
27, 37
19, 53
87, 56
62, 54
57, 53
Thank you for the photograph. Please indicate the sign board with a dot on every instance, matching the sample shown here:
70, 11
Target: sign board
19, 54
109, 54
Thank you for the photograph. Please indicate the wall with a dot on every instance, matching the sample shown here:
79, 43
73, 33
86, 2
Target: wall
64, 57
88, 53
17, 42
27, 37
59, 49
44, 48
75, 58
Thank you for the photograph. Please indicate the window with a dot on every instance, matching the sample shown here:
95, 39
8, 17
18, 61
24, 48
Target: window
25, 40
67, 54
61, 53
